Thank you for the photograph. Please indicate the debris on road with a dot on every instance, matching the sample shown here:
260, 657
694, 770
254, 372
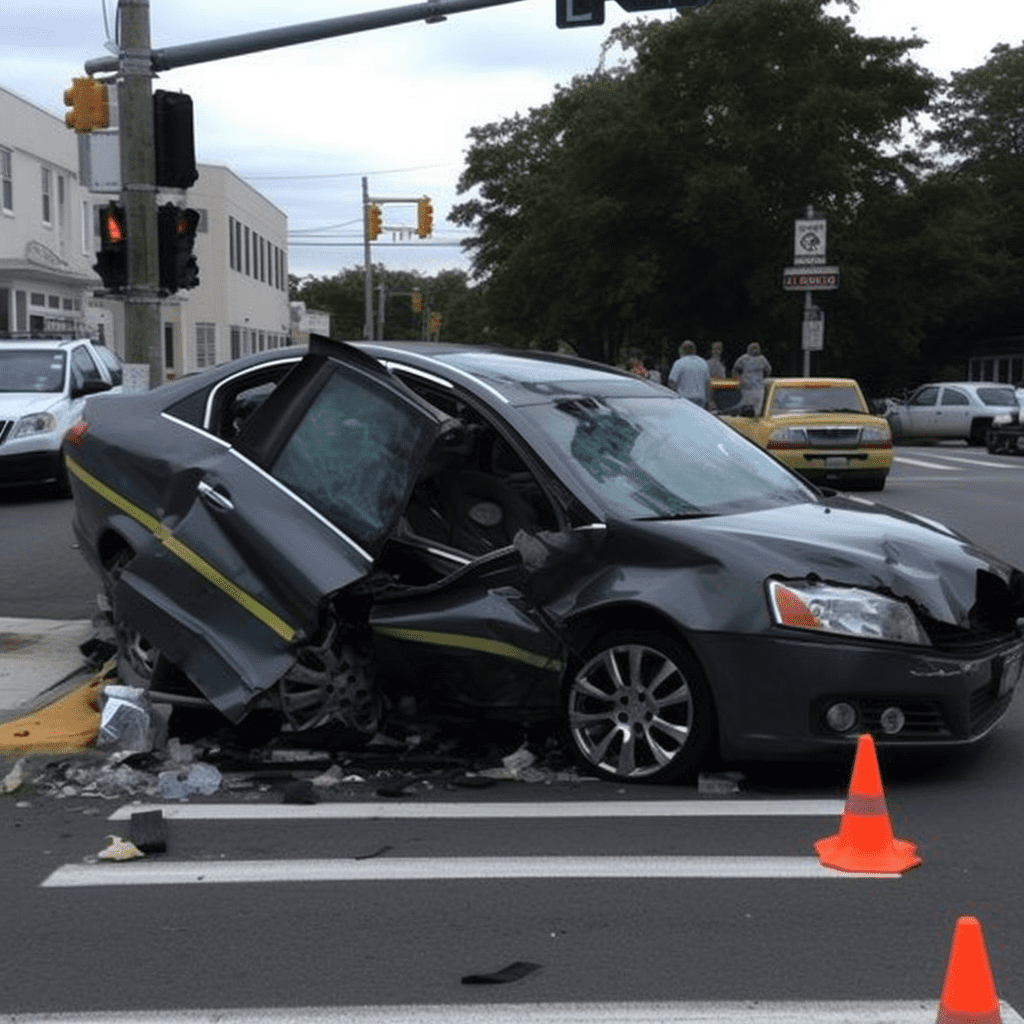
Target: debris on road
119, 849
514, 971
149, 831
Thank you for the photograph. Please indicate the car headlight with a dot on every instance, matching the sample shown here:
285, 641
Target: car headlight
34, 423
847, 611
875, 435
785, 437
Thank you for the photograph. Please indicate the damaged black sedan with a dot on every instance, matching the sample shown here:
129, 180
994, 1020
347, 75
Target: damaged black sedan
325, 533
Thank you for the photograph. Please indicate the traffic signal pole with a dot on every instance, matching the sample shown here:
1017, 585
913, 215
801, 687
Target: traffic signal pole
138, 190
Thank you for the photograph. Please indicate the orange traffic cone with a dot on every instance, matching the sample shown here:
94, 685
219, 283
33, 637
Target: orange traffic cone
969, 994
865, 841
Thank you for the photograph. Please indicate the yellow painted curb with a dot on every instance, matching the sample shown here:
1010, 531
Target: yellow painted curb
71, 722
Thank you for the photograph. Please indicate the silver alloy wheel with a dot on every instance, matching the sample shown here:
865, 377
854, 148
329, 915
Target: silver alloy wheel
631, 712
138, 654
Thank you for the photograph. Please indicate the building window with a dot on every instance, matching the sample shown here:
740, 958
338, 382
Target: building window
37, 299
238, 246
62, 210
206, 348
169, 346
236, 342
47, 195
6, 181
231, 242
53, 301
247, 250
263, 260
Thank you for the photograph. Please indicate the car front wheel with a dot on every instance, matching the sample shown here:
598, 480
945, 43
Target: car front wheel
638, 709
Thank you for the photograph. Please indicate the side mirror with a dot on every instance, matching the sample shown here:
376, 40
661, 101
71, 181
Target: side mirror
93, 386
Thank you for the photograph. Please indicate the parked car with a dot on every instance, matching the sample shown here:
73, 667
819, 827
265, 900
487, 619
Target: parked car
822, 428
527, 536
43, 388
963, 409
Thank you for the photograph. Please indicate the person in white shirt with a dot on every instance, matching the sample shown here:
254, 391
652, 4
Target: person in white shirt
751, 369
690, 376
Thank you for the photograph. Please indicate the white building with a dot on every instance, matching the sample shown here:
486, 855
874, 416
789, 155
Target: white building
49, 237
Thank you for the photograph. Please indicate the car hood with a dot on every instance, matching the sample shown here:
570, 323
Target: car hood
14, 404
824, 419
871, 546
674, 565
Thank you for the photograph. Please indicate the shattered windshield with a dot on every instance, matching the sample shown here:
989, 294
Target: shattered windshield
32, 370
664, 458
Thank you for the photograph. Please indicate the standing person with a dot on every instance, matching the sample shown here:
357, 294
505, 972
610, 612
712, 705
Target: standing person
751, 369
715, 365
689, 375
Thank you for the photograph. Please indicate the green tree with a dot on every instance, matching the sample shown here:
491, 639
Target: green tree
980, 132
654, 200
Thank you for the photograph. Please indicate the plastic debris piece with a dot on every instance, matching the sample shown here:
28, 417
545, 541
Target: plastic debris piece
180, 753
719, 783
518, 760
149, 831
14, 778
124, 719
203, 778
514, 971
119, 849
329, 778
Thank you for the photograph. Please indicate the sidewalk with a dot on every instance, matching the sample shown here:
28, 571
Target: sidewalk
37, 656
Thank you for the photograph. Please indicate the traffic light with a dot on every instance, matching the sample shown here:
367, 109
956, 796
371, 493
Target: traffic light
173, 140
435, 325
416, 301
112, 259
176, 231
373, 215
424, 217
89, 105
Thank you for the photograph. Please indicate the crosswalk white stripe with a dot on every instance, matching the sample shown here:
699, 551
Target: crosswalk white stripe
903, 1011
554, 809
389, 869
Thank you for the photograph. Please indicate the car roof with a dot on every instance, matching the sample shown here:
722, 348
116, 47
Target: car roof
519, 376
967, 384
40, 343
815, 382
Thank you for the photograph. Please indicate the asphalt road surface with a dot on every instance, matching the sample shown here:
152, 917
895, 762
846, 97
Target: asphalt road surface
716, 911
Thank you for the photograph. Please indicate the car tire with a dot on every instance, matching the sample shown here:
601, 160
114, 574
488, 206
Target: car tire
138, 661
979, 431
637, 708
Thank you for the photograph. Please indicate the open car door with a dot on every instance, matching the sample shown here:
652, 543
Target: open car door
262, 531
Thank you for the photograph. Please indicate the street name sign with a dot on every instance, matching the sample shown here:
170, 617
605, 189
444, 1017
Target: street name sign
578, 13
810, 279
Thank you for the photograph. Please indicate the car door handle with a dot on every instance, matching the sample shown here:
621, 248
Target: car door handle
217, 499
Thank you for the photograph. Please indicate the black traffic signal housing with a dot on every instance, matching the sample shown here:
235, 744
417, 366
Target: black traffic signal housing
373, 220
89, 103
176, 232
424, 217
173, 140
416, 301
112, 259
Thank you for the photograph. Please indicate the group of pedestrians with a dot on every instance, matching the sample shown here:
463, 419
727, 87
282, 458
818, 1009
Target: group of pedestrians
691, 375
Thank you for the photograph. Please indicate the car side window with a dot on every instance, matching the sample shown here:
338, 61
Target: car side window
349, 455
112, 363
926, 396
951, 396
83, 368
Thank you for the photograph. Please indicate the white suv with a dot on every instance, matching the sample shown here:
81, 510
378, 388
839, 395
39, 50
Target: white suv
43, 387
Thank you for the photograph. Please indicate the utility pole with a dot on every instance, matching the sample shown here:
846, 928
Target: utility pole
368, 285
138, 190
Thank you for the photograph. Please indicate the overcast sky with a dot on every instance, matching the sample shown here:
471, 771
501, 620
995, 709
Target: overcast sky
305, 123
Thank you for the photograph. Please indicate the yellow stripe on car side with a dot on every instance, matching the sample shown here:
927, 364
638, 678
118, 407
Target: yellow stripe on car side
185, 553
471, 643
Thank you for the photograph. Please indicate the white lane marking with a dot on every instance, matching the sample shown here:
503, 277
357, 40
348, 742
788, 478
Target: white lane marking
555, 809
927, 465
903, 1011
981, 462
416, 869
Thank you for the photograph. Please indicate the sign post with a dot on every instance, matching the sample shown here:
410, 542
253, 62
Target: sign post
808, 274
